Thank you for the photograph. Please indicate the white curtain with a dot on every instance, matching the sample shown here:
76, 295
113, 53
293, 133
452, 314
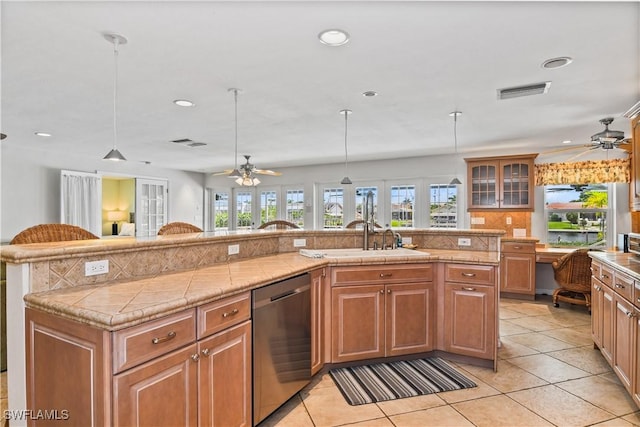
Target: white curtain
81, 198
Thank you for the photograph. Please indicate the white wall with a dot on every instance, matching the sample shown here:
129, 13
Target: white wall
30, 186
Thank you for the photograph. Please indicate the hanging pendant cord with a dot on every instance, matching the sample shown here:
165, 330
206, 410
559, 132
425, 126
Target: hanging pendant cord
346, 162
455, 132
115, 91
235, 94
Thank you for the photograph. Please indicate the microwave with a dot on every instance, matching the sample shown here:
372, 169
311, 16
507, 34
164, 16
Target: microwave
634, 243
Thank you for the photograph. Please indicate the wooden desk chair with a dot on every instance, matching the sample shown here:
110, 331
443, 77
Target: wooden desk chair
278, 224
572, 272
178, 228
52, 233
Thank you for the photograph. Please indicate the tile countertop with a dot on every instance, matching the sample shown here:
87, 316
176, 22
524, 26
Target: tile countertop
626, 262
119, 305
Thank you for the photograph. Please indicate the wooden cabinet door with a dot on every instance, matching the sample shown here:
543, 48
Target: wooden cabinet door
469, 320
608, 310
317, 323
483, 184
518, 273
410, 318
636, 359
624, 330
162, 392
225, 378
357, 322
516, 182
596, 311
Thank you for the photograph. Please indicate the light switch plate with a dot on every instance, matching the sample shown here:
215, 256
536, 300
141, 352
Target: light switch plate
299, 243
463, 241
234, 249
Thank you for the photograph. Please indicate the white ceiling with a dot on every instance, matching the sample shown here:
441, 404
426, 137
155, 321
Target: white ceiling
425, 59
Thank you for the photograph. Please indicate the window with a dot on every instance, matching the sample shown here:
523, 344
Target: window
295, 207
221, 210
402, 201
333, 202
268, 206
443, 211
576, 214
361, 193
243, 210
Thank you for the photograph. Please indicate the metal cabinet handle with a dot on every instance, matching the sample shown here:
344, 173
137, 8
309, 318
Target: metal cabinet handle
206, 352
382, 291
606, 276
386, 274
388, 291
619, 286
466, 288
599, 289
517, 247
195, 357
171, 335
469, 274
230, 313
630, 314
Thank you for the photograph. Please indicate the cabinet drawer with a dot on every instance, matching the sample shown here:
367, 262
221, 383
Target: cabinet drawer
219, 315
381, 274
606, 275
623, 285
140, 343
464, 273
520, 248
596, 270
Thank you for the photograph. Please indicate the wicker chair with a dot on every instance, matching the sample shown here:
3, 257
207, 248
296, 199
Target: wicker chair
357, 222
52, 233
278, 224
572, 272
178, 228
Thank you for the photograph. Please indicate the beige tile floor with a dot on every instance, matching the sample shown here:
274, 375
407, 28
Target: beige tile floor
548, 375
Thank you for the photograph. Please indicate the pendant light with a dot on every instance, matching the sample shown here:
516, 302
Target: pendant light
235, 173
116, 40
455, 114
346, 179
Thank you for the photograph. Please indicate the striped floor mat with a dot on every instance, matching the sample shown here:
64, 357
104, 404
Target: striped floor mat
397, 380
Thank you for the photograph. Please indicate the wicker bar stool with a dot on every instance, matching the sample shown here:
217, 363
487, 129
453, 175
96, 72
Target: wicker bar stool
278, 224
52, 233
178, 228
572, 272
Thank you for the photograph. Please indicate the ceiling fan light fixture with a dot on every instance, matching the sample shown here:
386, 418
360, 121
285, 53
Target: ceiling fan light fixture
235, 174
607, 136
116, 40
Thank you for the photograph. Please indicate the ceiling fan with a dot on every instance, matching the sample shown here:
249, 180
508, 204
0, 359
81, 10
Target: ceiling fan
245, 173
607, 140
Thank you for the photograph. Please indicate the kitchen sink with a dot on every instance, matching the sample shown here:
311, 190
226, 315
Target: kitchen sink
360, 253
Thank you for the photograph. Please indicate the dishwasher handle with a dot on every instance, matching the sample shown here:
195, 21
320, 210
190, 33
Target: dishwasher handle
266, 300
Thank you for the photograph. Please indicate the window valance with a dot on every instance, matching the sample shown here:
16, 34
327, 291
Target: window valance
588, 172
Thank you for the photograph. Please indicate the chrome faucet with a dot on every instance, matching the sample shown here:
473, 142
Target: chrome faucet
384, 238
369, 221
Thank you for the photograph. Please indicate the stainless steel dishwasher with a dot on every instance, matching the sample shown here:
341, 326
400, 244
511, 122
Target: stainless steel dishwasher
281, 343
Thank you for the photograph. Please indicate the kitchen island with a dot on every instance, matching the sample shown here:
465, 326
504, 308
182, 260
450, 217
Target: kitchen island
152, 280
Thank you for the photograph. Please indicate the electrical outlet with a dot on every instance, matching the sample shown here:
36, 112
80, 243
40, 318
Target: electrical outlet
477, 220
299, 243
407, 240
234, 249
462, 241
508, 220
93, 268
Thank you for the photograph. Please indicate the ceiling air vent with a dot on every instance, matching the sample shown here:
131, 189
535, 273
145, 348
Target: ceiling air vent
518, 91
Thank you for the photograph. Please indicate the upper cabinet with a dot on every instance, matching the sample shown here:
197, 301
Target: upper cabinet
634, 188
504, 182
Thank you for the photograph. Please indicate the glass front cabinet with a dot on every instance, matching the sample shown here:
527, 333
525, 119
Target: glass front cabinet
500, 182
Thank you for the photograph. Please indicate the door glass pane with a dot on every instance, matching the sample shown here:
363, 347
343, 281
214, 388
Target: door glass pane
243, 210
402, 202
443, 211
221, 210
268, 206
333, 203
295, 207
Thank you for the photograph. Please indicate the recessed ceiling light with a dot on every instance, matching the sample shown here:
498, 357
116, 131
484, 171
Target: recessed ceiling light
184, 103
370, 93
43, 134
559, 62
334, 37
566, 141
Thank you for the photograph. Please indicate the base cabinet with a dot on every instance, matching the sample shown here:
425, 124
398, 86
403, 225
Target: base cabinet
518, 269
469, 312
317, 320
372, 317
624, 352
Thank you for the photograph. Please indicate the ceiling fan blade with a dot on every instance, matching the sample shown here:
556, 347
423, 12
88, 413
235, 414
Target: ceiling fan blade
267, 172
224, 172
563, 149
